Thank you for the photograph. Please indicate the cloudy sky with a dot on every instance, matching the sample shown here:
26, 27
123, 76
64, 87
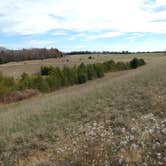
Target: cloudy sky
114, 25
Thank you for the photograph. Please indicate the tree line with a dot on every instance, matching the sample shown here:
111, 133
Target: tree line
110, 52
28, 54
97, 52
52, 78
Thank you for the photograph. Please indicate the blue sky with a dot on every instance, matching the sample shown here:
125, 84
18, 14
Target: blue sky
96, 25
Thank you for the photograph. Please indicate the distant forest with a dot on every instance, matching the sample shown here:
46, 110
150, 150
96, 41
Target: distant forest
106, 52
28, 54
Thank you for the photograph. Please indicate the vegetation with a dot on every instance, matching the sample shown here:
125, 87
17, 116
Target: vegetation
28, 54
107, 52
116, 120
136, 63
51, 78
16, 69
96, 52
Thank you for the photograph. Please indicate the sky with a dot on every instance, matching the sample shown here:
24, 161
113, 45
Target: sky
94, 25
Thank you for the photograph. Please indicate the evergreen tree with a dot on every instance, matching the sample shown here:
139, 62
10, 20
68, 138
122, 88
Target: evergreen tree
82, 73
134, 63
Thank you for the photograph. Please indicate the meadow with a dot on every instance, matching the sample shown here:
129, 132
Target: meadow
33, 66
119, 119
50, 78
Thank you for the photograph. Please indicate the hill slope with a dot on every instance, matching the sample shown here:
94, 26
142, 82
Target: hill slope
119, 119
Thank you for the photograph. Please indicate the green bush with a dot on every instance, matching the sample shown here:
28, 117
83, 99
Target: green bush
45, 70
24, 82
99, 69
38, 82
7, 84
108, 66
82, 77
141, 62
91, 72
122, 66
69, 75
134, 63
51, 78
60, 76
74, 75
54, 82
82, 73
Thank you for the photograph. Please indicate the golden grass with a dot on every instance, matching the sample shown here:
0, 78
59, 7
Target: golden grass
15, 112
99, 121
17, 68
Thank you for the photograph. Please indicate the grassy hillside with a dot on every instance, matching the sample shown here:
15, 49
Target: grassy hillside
119, 119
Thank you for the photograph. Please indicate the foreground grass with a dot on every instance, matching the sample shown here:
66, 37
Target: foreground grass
117, 120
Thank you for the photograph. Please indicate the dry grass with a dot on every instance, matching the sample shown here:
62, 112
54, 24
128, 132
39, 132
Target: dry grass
17, 68
19, 95
117, 120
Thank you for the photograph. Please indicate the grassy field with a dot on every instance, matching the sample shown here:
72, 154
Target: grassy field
117, 120
17, 68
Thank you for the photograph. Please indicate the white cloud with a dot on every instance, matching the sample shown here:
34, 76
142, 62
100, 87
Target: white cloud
135, 36
40, 16
104, 35
40, 43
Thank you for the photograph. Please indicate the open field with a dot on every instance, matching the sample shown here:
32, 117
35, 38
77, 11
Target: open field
17, 68
117, 120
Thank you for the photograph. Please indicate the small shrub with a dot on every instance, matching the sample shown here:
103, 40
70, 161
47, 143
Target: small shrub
122, 66
108, 66
53, 82
99, 69
38, 82
45, 70
91, 72
60, 77
82, 77
141, 62
74, 75
24, 82
69, 76
7, 84
134, 63
82, 73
